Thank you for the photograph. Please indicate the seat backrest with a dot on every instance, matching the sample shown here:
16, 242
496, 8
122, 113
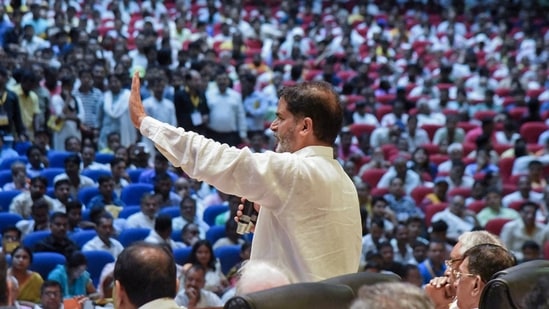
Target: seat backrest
296, 296
181, 255
495, 225
229, 256
50, 172
5, 177
213, 211
357, 280
57, 158
97, 260
508, 288
95, 174
33, 238
128, 211
86, 194
44, 262
172, 211
9, 219
6, 163
82, 237
131, 194
214, 233
131, 235
134, 174
5, 199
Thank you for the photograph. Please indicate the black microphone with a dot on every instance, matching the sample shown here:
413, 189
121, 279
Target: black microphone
248, 218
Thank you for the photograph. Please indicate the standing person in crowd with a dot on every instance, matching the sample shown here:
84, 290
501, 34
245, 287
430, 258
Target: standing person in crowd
227, 116
91, 99
309, 117
191, 107
67, 114
11, 119
28, 101
145, 277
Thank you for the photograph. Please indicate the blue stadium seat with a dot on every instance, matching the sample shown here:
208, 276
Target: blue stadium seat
213, 211
21, 147
5, 199
82, 237
95, 174
97, 260
86, 194
50, 173
57, 158
172, 211
229, 256
6, 163
131, 194
33, 238
104, 158
134, 174
128, 211
129, 236
9, 219
214, 233
5, 177
44, 262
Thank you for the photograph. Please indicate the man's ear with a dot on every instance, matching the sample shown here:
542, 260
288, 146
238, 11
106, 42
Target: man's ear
307, 125
120, 298
477, 287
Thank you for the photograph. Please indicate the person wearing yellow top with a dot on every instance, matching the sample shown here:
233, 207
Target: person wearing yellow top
28, 101
29, 281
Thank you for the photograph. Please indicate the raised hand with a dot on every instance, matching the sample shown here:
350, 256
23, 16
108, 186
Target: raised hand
137, 112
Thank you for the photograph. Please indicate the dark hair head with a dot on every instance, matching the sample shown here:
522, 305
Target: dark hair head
40, 203
26, 249
318, 101
58, 214
147, 272
48, 284
528, 204
103, 179
39, 179
192, 257
33, 148
73, 159
162, 223
76, 259
62, 181
73, 205
487, 259
12, 228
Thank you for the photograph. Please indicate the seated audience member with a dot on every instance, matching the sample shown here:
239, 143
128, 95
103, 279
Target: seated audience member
194, 295
190, 234
437, 232
119, 175
162, 232
163, 185
372, 240
202, 253
479, 264
73, 144
187, 210
104, 241
11, 239
416, 230
161, 166
51, 296
537, 176
29, 282
494, 208
145, 217
531, 250
346, 149
62, 193
411, 275
106, 195
400, 203
138, 156
382, 211
113, 142
57, 241
39, 220
72, 173
390, 295
231, 237
414, 135
458, 218
22, 203
74, 213
482, 164
457, 177
524, 193
455, 153
449, 135
73, 277
233, 274
37, 161
88, 159
403, 252
434, 265
19, 178
515, 233
420, 251
409, 178
478, 192
439, 194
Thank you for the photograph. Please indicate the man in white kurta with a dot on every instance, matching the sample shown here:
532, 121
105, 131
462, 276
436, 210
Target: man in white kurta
309, 222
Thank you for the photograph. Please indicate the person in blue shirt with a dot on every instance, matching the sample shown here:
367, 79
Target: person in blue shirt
434, 265
73, 277
106, 195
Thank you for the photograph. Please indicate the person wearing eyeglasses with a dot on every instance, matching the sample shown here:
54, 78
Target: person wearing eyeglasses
441, 290
480, 263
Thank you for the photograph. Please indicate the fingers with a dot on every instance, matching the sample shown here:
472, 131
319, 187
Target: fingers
136, 81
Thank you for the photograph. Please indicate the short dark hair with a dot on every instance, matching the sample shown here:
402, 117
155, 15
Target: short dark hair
147, 272
32, 148
528, 203
41, 179
162, 223
50, 283
73, 159
76, 259
117, 160
40, 203
318, 101
12, 228
104, 178
73, 205
62, 181
487, 259
58, 214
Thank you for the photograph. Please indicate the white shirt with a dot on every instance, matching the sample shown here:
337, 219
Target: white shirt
456, 225
533, 196
139, 220
310, 236
513, 235
155, 238
226, 111
96, 243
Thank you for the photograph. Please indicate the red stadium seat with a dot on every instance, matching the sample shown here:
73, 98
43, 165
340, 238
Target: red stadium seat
431, 129
419, 193
358, 129
372, 176
495, 226
431, 210
477, 206
531, 131
465, 192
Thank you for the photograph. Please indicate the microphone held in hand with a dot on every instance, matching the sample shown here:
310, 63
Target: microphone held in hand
248, 219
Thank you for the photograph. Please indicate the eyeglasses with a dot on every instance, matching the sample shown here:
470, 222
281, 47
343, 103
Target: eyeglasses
449, 263
459, 274
52, 293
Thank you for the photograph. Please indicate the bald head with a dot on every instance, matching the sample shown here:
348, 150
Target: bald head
146, 272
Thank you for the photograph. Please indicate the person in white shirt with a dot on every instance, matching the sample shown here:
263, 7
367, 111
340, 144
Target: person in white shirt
162, 232
103, 241
457, 217
144, 218
360, 116
194, 295
524, 193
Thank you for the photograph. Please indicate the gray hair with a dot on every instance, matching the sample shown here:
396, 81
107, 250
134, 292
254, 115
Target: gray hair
390, 295
259, 275
469, 240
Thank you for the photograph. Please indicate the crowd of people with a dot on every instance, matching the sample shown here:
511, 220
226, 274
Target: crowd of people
445, 107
